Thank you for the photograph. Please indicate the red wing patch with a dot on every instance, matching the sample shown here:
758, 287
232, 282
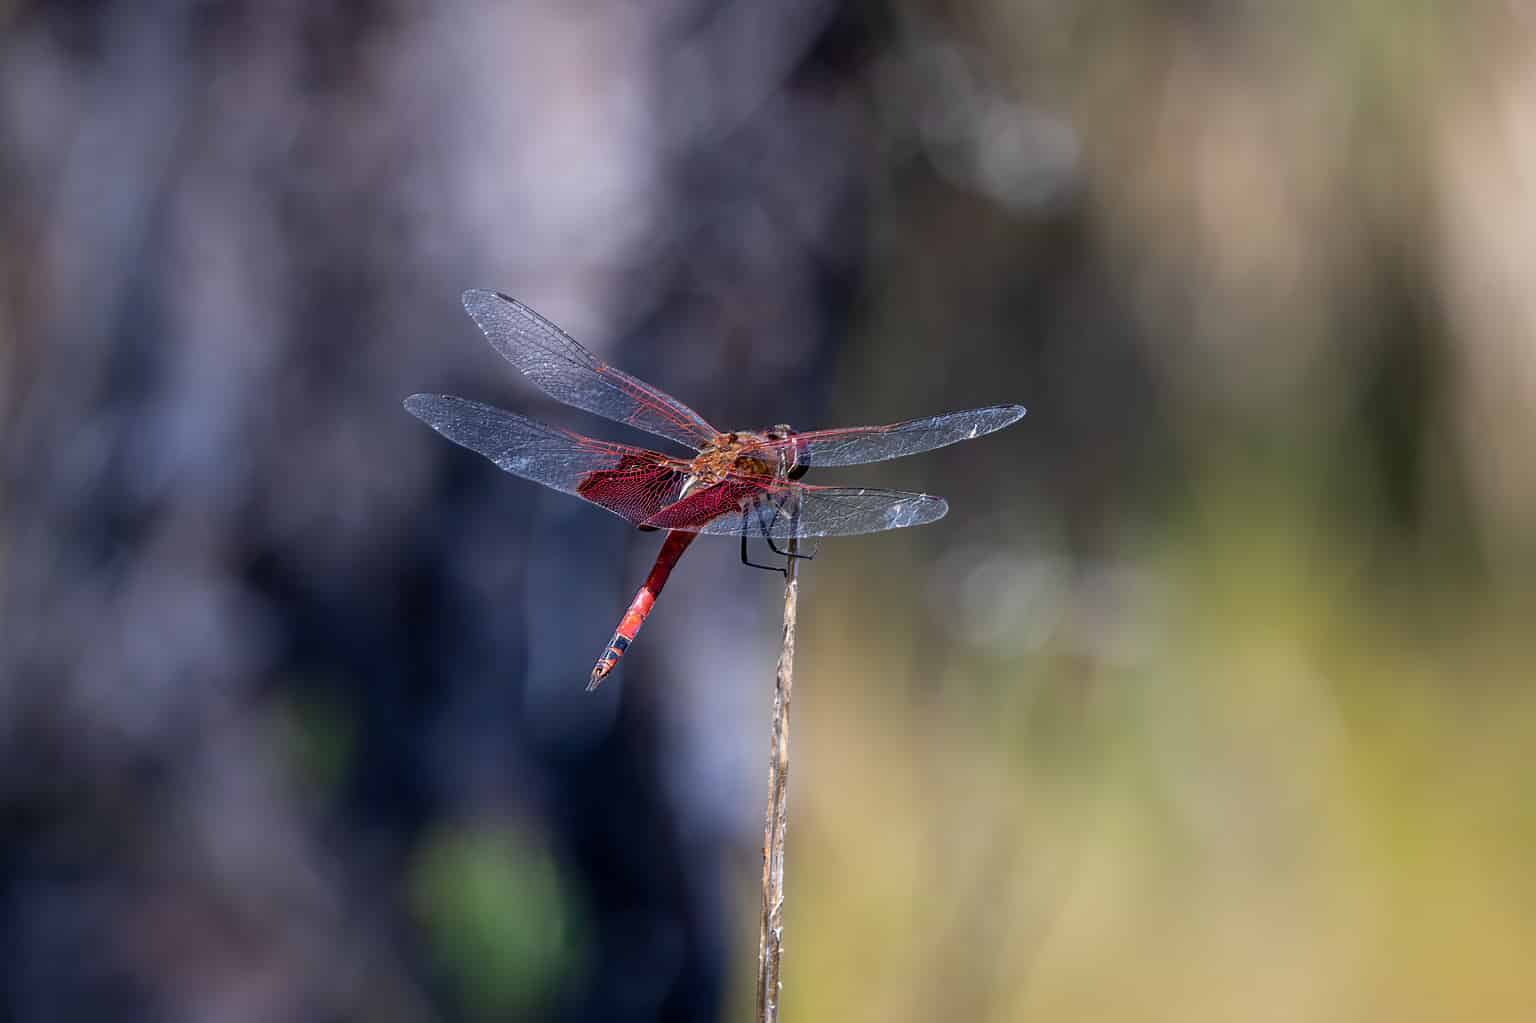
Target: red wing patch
702, 507
637, 488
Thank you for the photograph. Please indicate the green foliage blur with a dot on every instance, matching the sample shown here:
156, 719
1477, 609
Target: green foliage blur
499, 924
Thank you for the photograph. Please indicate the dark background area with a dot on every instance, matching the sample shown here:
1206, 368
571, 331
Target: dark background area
1210, 699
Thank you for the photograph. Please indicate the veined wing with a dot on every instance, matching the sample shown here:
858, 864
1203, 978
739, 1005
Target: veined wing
856, 445
781, 509
567, 372
630, 482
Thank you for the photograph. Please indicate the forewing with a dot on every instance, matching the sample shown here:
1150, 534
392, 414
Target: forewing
630, 482
857, 445
781, 510
567, 372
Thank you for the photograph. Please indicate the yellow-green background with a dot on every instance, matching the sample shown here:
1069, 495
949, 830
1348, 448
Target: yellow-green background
1210, 700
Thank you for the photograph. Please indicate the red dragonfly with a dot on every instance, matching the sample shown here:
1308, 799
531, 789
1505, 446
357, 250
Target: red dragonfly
734, 484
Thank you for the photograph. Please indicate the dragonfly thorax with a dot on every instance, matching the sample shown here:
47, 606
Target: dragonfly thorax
756, 453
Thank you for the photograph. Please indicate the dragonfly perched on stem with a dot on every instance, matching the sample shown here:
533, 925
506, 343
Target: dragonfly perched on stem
745, 483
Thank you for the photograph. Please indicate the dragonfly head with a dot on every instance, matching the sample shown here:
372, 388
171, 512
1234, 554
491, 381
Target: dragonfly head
789, 458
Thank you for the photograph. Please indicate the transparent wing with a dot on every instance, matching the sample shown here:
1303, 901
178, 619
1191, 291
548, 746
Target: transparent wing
567, 372
856, 445
763, 506
630, 482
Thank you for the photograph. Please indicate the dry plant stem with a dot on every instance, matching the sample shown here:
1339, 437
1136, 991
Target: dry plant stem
775, 820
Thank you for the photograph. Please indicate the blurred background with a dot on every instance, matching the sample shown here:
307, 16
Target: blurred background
1210, 700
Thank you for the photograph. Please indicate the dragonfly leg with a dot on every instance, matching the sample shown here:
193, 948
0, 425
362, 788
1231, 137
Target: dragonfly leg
768, 536
793, 554
766, 527
744, 559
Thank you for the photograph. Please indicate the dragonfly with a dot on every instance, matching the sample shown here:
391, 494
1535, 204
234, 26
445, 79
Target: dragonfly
745, 483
